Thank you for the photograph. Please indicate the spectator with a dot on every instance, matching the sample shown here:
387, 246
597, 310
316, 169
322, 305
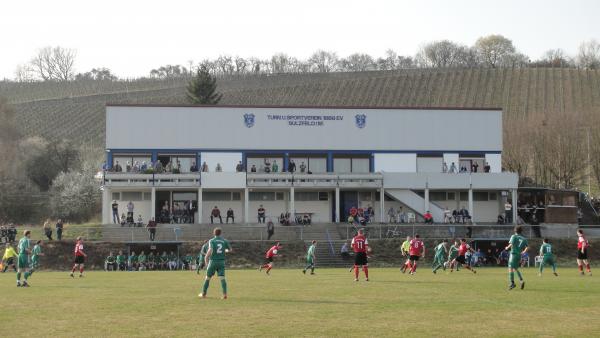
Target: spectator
487, 168
204, 167
464, 214
456, 216
47, 230
169, 167
121, 261
447, 215
172, 261
230, 215
344, 251
503, 257
194, 167
219, 168
391, 215
110, 263
123, 219
130, 207
275, 166
291, 166
474, 167
302, 167
115, 212
306, 219
142, 261
370, 214
524, 259
453, 168
144, 166
402, 217
151, 228
132, 262
159, 167
253, 169
353, 213
444, 167
261, 214
267, 164
270, 229
152, 263
12, 233
128, 167
284, 218
428, 217
214, 214
140, 222
163, 261
118, 168
239, 167
508, 212
59, 229
500, 219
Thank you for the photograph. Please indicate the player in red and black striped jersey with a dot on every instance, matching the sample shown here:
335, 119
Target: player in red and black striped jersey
462, 252
416, 250
360, 246
272, 252
79, 257
582, 253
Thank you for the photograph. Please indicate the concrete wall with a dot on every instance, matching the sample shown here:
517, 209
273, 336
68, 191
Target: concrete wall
284, 128
140, 207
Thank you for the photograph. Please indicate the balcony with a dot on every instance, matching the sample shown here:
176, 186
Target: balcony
126, 180
287, 180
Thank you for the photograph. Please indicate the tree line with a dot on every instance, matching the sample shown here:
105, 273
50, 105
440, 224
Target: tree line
493, 51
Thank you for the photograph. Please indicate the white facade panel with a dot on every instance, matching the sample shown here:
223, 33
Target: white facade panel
396, 163
495, 162
280, 128
429, 164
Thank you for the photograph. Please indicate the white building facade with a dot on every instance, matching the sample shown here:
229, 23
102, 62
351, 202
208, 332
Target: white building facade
409, 158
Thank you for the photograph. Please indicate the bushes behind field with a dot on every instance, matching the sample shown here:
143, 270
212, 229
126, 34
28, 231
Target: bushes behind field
386, 252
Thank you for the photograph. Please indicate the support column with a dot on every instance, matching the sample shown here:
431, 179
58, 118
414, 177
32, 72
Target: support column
106, 206
337, 204
426, 200
292, 204
153, 203
514, 206
471, 205
329, 162
381, 205
199, 201
246, 206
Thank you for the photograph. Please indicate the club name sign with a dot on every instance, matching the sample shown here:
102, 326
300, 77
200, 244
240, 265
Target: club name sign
304, 120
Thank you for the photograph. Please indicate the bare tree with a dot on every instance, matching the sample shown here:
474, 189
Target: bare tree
54, 64
323, 61
225, 64
589, 55
282, 63
441, 54
240, 65
24, 73
493, 49
358, 62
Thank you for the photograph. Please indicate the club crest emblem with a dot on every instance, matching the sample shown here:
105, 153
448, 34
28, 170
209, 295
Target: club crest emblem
361, 120
249, 120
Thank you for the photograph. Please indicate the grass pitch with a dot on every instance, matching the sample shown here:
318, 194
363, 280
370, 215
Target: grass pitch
288, 303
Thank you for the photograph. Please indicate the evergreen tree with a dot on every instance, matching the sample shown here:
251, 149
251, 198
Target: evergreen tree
202, 89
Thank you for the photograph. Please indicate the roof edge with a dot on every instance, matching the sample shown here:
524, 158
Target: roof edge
294, 106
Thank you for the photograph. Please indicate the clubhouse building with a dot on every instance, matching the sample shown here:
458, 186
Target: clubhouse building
316, 161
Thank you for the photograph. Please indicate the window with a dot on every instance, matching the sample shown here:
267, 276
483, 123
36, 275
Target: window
342, 165
493, 196
364, 196
236, 196
147, 196
125, 160
280, 196
480, 196
306, 196
317, 164
437, 195
451, 196
261, 196
131, 196
323, 196
216, 196
464, 196
116, 196
360, 165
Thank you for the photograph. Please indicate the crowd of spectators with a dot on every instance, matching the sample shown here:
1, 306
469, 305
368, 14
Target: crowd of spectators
457, 216
360, 215
8, 233
151, 261
473, 168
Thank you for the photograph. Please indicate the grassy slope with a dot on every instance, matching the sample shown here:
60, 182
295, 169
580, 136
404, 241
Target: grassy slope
291, 304
518, 91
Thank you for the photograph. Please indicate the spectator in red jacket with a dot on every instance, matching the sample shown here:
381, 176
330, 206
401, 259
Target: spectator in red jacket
428, 217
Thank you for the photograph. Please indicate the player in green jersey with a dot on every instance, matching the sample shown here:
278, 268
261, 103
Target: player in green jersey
132, 261
110, 263
517, 244
310, 258
452, 254
35, 256
547, 257
142, 261
440, 253
121, 261
23, 261
201, 257
215, 262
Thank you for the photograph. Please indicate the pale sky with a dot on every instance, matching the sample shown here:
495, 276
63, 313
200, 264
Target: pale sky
132, 37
